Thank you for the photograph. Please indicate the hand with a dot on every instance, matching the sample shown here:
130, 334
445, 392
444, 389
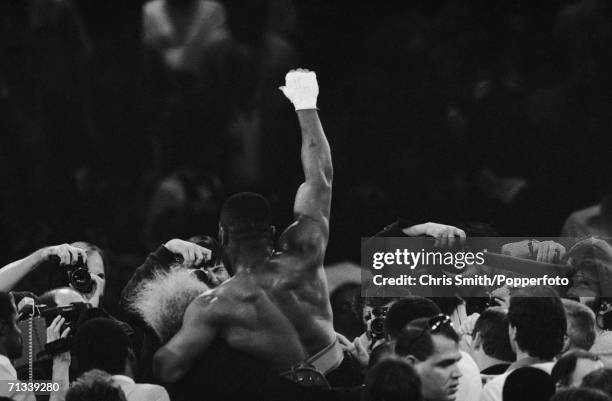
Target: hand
53, 334
501, 296
355, 348
444, 235
301, 88
361, 345
467, 327
192, 254
68, 255
548, 251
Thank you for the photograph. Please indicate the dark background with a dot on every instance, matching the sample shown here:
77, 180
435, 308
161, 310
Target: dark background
429, 106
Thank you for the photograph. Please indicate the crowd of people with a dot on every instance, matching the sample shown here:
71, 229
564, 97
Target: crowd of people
127, 124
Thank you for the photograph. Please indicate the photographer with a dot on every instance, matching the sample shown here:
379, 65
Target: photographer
13, 273
83, 262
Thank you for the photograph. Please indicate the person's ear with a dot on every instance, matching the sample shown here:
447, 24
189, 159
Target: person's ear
566, 344
411, 359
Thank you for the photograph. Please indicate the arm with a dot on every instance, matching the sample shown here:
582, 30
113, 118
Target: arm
13, 273
313, 200
199, 329
61, 362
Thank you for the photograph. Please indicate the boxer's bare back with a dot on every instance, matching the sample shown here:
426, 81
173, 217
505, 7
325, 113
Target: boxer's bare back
278, 310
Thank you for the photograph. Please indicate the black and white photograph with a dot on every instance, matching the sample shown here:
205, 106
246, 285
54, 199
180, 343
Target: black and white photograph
305, 200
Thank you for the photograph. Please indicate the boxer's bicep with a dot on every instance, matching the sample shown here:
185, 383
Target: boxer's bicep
306, 239
175, 358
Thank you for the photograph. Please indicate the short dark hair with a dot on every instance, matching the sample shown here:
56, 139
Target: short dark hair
565, 366
246, 214
492, 325
406, 310
95, 385
101, 343
7, 310
539, 318
528, 383
580, 394
416, 342
580, 324
392, 380
600, 379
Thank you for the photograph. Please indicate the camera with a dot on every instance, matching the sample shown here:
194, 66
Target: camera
79, 277
33, 322
377, 325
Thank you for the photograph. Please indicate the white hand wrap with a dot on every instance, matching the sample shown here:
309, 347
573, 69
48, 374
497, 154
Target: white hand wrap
301, 89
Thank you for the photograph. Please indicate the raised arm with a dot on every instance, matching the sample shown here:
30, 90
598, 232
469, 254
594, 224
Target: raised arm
313, 200
13, 273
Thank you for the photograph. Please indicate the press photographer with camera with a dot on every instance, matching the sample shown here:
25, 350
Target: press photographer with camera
13, 273
83, 265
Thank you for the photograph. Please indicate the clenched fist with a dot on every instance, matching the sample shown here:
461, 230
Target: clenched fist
301, 88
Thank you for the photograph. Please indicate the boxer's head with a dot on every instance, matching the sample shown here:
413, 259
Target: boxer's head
245, 226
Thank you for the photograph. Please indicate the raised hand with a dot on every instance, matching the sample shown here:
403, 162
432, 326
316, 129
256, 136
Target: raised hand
548, 251
192, 254
53, 334
301, 88
67, 255
445, 235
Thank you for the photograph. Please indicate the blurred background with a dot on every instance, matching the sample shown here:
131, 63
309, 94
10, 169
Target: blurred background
127, 123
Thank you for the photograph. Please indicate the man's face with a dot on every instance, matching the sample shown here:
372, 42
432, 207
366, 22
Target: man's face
585, 282
218, 274
440, 373
13, 338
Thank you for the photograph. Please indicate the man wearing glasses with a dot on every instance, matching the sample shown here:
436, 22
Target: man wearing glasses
432, 346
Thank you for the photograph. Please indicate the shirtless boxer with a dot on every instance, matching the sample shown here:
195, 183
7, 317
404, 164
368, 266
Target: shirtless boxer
276, 307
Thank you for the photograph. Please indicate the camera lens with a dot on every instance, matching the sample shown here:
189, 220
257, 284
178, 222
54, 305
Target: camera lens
378, 326
81, 280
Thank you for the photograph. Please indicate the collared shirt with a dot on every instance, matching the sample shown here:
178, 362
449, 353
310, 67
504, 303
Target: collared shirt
8, 373
140, 391
493, 390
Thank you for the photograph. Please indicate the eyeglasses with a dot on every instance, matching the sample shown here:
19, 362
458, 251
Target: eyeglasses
436, 322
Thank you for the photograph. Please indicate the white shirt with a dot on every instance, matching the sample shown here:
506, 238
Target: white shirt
7, 372
470, 384
493, 390
140, 391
